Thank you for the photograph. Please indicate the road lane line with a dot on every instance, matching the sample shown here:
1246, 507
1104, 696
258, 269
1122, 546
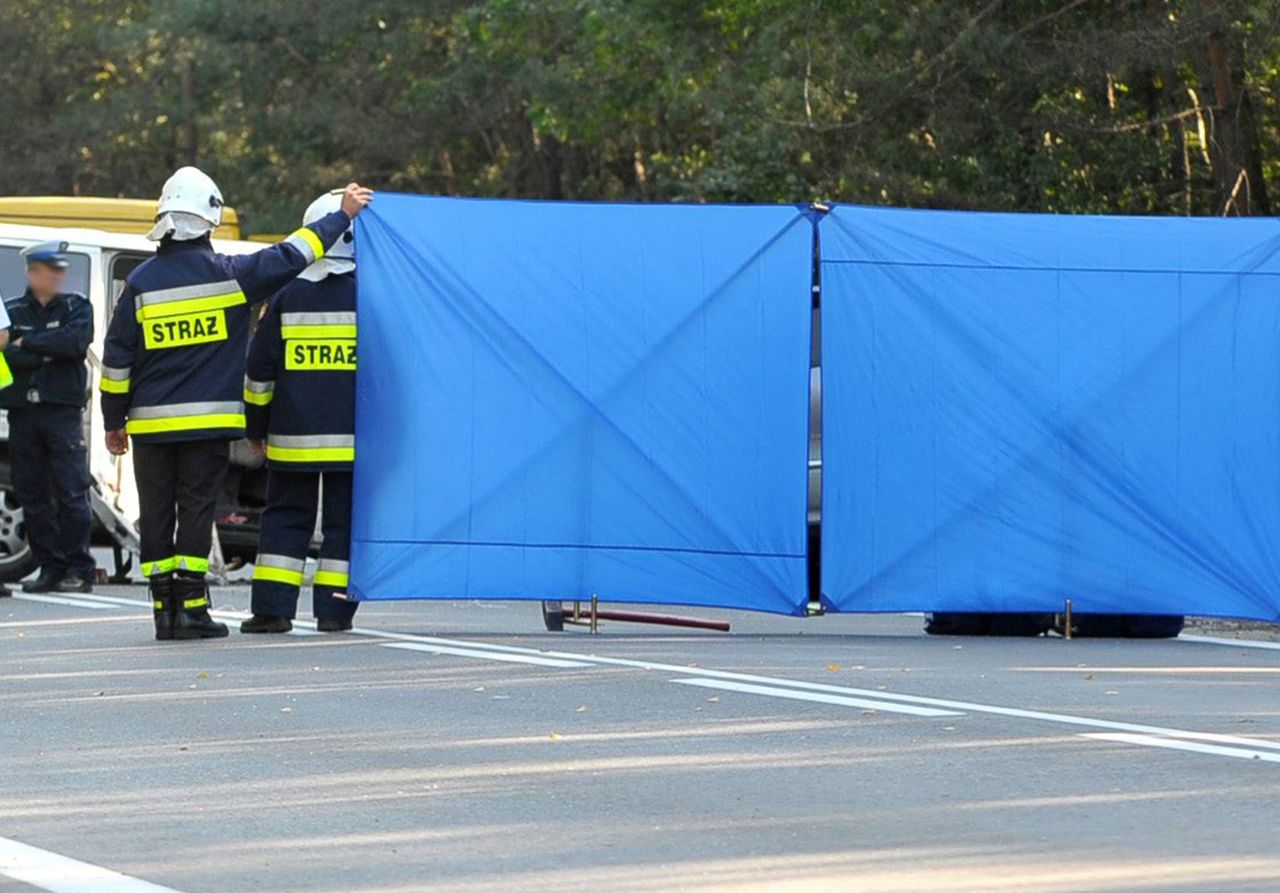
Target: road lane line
487, 655
71, 621
60, 874
108, 601
1241, 753
815, 697
1230, 643
70, 602
577, 659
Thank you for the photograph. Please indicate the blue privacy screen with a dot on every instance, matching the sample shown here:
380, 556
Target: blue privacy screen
1020, 409
560, 400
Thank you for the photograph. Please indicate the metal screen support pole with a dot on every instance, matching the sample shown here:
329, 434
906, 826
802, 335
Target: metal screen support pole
1067, 631
595, 618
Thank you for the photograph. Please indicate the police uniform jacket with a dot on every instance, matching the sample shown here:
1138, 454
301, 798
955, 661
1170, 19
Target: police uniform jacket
174, 359
49, 366
299, 389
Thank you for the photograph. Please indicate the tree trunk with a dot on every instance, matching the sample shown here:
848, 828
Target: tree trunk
1239, 187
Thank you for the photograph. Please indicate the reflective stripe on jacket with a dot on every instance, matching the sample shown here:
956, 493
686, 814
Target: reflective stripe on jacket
299, 389
174, 360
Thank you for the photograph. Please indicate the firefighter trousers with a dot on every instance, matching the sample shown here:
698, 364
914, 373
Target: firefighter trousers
285, 538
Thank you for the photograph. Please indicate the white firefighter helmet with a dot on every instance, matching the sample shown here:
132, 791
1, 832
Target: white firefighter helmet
344, 248
191, 191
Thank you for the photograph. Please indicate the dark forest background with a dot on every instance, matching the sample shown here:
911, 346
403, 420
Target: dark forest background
1124, 106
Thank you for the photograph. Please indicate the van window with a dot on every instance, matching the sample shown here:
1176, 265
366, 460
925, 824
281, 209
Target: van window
121, 266
13, 272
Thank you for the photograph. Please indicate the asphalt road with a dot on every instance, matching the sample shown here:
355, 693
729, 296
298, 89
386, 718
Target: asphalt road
458, 747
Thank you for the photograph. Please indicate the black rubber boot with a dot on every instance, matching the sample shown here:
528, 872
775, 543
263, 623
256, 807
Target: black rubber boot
191, 604
161, 589
47, 582
332, 624
266, 623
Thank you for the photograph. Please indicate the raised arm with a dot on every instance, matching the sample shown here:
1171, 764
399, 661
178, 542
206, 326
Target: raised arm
265, 272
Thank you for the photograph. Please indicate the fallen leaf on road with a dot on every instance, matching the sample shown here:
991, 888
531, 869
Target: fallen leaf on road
555, 736
202, 675
1088, 678
833, 667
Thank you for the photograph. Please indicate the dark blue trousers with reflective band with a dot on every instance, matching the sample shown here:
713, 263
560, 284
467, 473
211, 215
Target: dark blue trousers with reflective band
50, 470
284, 538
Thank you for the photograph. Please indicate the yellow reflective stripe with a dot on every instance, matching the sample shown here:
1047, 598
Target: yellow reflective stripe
193, 603
331, 578
311, 454
163, 566
277, 575
190, 305
6, 375
191, 563
257, 399
111, 386
327, 330
185, 423
313, 241
159, 606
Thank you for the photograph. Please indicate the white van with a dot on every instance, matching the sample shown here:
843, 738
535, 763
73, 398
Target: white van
100, 262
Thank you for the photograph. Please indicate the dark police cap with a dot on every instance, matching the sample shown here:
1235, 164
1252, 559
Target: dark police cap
51, 254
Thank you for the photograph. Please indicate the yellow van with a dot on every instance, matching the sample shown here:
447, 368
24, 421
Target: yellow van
114, 215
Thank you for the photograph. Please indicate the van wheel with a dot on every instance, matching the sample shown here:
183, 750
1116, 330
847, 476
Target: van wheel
16, 560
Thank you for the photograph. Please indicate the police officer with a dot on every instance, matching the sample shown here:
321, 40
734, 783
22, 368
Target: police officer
172, 377
48, 339
299, 393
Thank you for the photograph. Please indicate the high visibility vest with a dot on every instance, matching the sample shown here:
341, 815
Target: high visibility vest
6, 375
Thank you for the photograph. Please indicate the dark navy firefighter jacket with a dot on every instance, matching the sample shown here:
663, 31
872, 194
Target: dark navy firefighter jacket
174, 359
300, 390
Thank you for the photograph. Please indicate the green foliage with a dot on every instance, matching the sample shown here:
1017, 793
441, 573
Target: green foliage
1132, 106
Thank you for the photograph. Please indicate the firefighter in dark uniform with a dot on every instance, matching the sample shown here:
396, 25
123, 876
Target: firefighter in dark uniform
299, 392
49, 336
172, 378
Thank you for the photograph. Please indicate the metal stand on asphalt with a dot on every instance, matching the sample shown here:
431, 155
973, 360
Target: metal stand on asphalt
1067, 630
555, 616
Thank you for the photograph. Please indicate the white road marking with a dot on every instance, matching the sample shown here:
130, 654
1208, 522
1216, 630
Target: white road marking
487, 655
1241, 753
816, 697
59, 874
300, 627
575, 659
1231, 643
68, 601
70, 621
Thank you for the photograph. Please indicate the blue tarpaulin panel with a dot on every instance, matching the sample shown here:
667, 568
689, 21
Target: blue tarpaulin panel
1023, 408
557, 400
